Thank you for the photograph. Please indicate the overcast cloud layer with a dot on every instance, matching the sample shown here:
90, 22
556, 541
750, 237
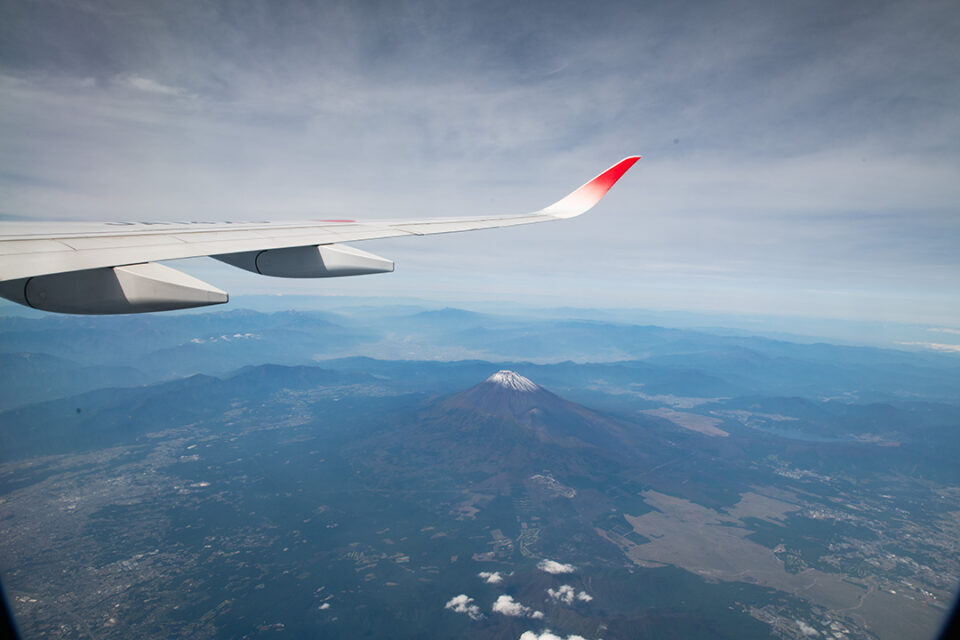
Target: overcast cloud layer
800, 158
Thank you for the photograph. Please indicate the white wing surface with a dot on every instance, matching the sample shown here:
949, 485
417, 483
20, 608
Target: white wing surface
109, 267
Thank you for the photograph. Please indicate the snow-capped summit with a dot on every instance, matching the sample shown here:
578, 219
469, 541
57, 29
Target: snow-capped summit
513, 380
505, 393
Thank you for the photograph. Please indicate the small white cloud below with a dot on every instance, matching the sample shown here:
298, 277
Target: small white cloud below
225, 338
556, 568
944, 330
567, 594
489, 577
324, 606
507, 606
806, 629
464, 604
564, 594
546, 634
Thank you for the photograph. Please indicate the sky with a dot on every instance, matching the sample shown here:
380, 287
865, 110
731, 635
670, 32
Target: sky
800, 159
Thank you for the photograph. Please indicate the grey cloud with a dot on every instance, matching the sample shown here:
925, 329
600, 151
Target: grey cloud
809, 148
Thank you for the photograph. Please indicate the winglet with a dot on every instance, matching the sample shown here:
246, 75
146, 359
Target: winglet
584, 198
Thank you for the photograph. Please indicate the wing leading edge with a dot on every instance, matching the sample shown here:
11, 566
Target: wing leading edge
108, 267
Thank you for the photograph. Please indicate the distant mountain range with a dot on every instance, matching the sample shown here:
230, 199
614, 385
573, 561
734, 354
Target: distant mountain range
60, 356
127, 375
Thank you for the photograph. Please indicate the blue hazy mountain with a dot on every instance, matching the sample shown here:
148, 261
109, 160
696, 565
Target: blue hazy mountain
114, 416
181, 344
231, 486
681, 362
31, 377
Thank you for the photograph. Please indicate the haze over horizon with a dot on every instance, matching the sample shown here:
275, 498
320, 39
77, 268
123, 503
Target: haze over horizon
798, 161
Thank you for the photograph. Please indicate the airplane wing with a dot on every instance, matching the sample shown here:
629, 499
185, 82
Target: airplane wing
105, 268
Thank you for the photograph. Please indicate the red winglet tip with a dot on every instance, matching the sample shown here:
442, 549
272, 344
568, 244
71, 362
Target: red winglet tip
609, 177
590, 194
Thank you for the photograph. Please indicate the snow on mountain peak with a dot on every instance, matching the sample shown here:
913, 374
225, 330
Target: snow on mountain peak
512, 380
